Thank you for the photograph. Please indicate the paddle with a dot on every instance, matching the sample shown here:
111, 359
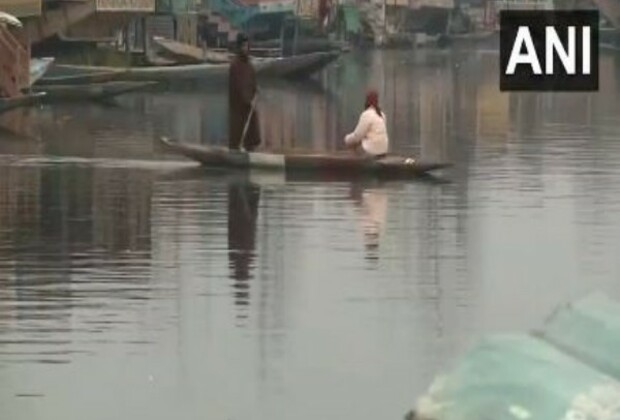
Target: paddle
247, 123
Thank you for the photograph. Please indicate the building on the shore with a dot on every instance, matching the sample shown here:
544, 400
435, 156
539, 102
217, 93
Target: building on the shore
398, 21
58, 21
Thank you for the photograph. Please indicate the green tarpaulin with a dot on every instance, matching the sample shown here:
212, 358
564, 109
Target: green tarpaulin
520, 377
588, 330
351, 18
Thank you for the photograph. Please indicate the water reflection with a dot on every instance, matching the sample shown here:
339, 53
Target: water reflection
243, 201
71, 240
372, 202
120, 274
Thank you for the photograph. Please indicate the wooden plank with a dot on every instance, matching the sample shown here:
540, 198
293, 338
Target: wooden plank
144, 6
185, 53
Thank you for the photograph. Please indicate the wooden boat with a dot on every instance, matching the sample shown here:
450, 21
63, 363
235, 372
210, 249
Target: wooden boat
265, 67
7, 104
305, 45
188, 54
298, 65
78, 76
94, 74
268, 178
343, 163
38, 67
98, 91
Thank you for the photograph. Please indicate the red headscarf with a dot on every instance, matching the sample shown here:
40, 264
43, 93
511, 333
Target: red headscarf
372, 99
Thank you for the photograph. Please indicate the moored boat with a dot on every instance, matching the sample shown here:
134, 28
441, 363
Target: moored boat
265, 67
182, 53
97, 91
7, 104
336, 164
77, 76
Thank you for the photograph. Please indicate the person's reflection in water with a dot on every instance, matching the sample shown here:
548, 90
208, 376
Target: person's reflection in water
243, 200
372, 203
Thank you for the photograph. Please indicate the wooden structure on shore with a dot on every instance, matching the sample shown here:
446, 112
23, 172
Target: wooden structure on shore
14, 58
38, 21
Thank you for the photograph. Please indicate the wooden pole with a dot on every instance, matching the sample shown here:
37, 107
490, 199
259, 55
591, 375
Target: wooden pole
282, 28
296, 29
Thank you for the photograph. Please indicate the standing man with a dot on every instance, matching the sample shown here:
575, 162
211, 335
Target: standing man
241, 99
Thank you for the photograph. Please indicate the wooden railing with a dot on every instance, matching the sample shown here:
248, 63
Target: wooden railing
14, 64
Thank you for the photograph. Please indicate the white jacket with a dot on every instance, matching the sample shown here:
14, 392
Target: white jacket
371, 131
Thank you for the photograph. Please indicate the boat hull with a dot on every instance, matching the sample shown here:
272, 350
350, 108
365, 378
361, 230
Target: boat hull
328, 165
98, 91
79, 76
7, 104
296, 66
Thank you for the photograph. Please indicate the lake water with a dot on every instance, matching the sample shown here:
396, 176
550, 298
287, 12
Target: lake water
134, 286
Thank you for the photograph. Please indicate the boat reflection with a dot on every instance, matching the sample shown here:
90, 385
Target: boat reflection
372, 203
19, 123
243, 200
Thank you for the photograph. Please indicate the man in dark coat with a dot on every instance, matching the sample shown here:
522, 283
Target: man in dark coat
241, 94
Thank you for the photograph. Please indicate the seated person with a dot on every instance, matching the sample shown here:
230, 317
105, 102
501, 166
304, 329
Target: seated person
370, 136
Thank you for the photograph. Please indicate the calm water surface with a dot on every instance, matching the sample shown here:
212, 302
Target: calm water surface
133, 286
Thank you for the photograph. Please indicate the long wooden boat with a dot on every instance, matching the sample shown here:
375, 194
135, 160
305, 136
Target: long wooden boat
337, 164
265, 67
82, 76
188, 54
305, 45
268, 178
7, 104
76, 74
298, 65
98, 91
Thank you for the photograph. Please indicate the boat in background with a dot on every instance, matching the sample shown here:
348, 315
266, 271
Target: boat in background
181, 53
90, 92
77, 75
33, 99
282, 67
